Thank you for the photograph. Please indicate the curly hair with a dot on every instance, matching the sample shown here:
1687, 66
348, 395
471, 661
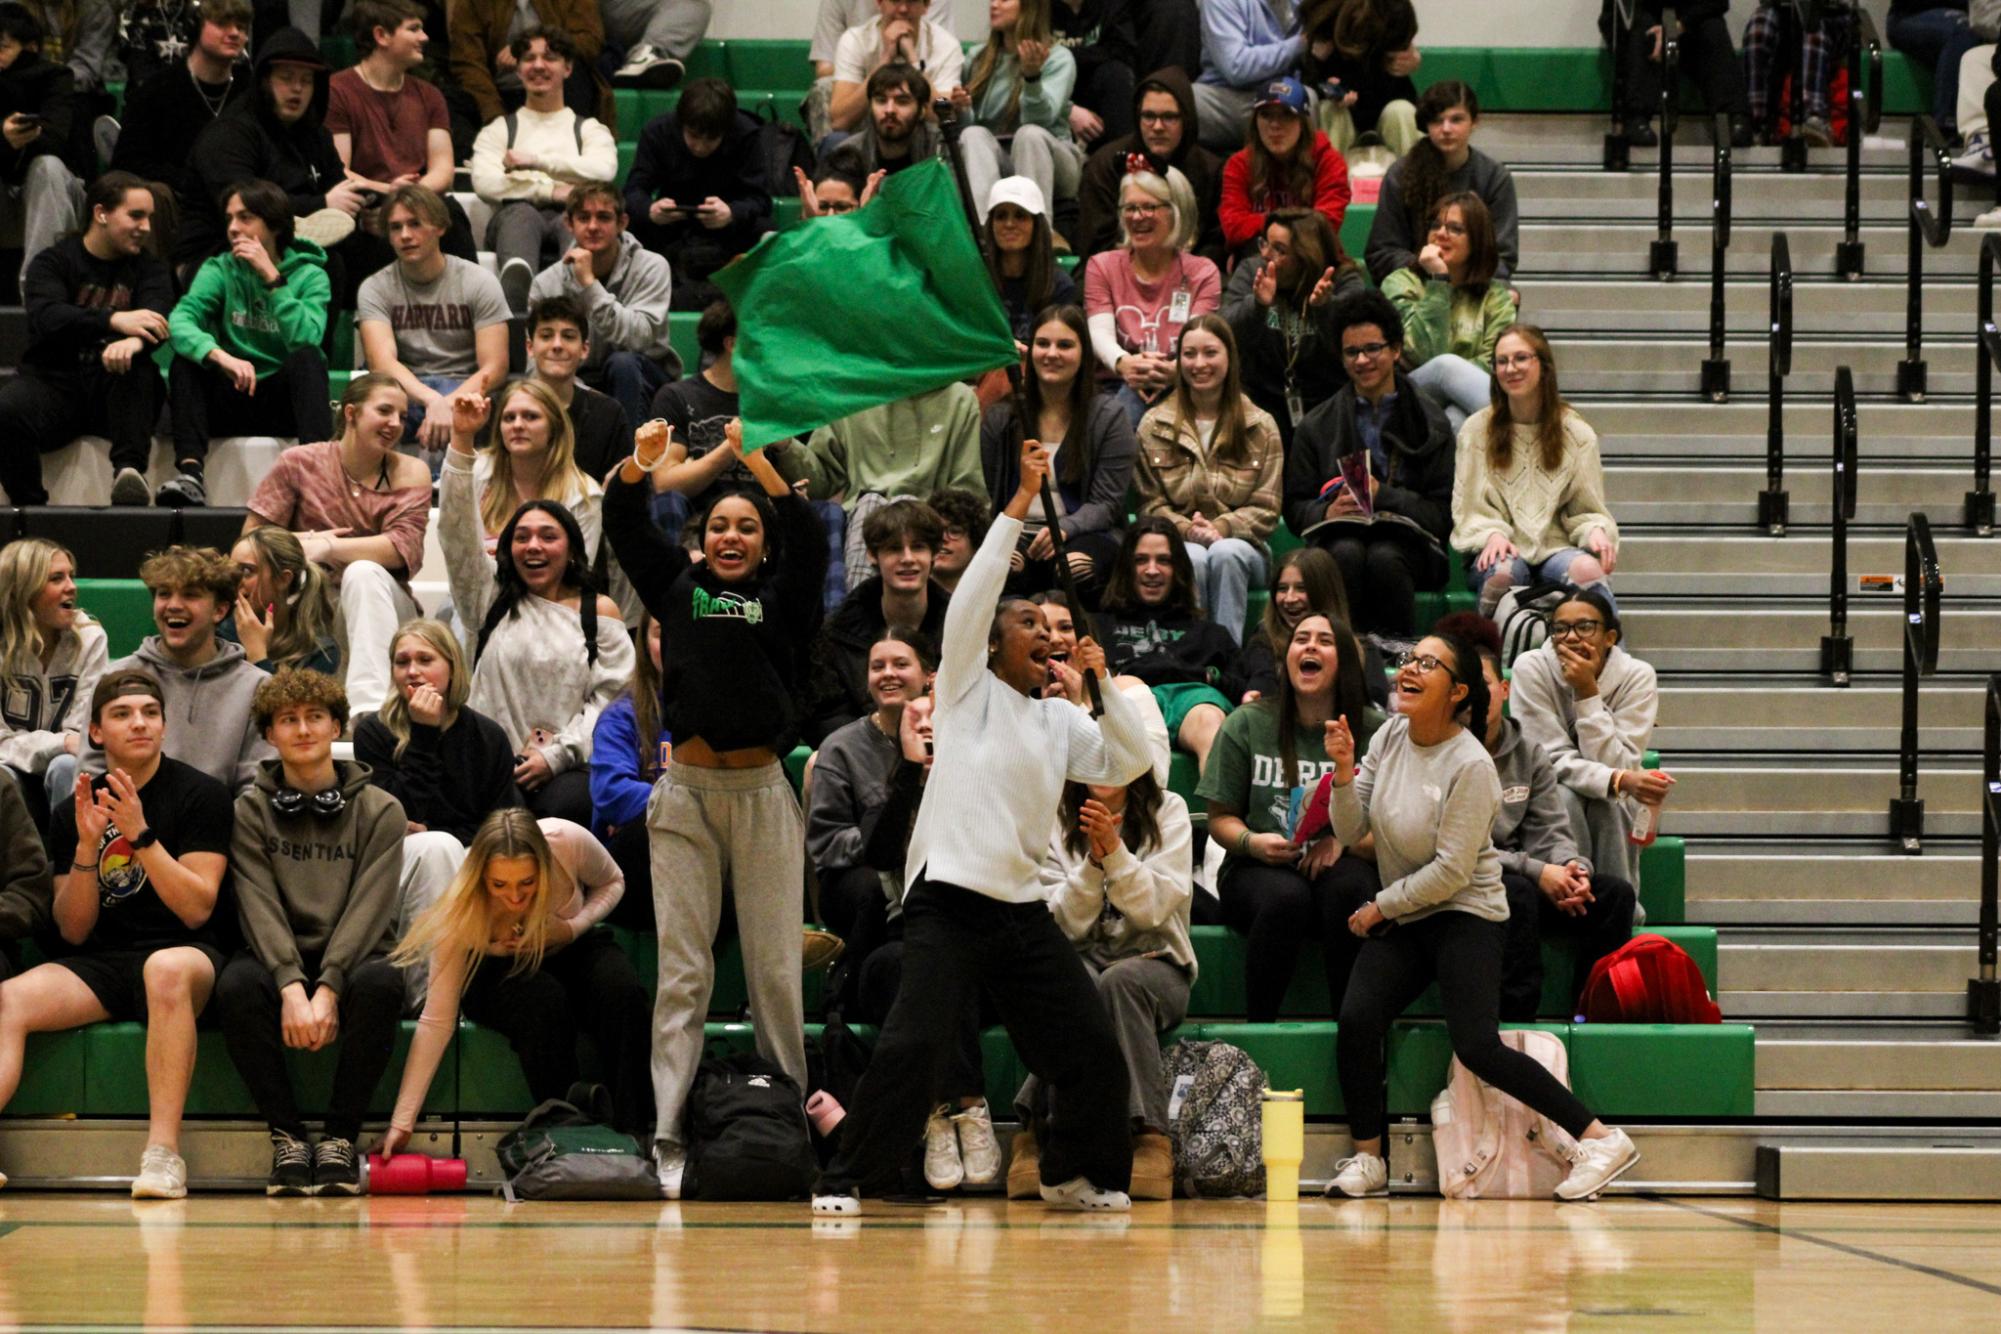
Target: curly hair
186, 569
298, 687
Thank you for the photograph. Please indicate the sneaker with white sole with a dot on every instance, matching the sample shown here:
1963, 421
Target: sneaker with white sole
325, 228
162, 1175
647, 67
336, 1169
1598, 1164
1978, 155
942, 1168
1078, 1193
979, 1151
1363, 1177
670, 1164
185, 490
837, 1204
129, 488
517, 275
1989, 220
291, 1166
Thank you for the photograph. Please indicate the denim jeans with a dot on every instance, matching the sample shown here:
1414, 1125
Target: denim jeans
1937, 37
1224, 574
1455, 384
1551, 569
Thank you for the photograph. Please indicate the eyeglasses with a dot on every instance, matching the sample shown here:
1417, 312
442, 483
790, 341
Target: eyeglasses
1517, 359
1140, 210
1364, 351
1449, 228
1575, 629
1424, 662
1160, 117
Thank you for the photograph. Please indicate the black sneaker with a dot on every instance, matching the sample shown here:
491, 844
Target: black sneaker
335, 1171
291, 1166
186, 489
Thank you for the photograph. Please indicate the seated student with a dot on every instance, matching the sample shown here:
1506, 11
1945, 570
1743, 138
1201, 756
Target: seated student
170, 101
1274, 891
1591, 706
529, 163
483, 63
1528, 491
529, 453
151, 34
97, 306
1361, 54
901, 538
1304, 582
1281, 306
39, 103
1138, 296
511, 946
1091, 447
1427, 796
696, 191
559, 343
201, 676
699, 408
1769, 60
1707, 59
1284, 164
625, 291
1245, 45
1120, 879
1102, 37
1163, 110
1934, 33
246, 338
360, 509
433, 322
1020, 257
1409, 455
143, 852
1211, 463
284, 612
389, 126
898, 131
548, 651
1453, 308
1443, 163
51, 655
1153, 630
966, 516
629, 750
1549, 883
316, 855
25, 889
831, 192
1015, 107
835, 17
903, 32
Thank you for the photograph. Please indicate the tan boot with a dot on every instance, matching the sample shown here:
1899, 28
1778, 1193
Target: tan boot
1153, 1167
1024, 1168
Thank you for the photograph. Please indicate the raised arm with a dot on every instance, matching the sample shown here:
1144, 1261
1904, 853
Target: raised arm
469, 570
969, 619
651, 559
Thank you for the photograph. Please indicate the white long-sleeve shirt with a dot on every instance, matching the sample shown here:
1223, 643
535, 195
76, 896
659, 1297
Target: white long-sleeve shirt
552, 137
1150, 897
1001, 758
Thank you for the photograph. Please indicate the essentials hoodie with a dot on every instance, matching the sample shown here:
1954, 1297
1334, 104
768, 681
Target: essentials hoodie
228, 306
207, 711
1098, 195
317, 897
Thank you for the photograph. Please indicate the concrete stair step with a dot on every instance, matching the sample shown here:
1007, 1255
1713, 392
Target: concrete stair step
1556, 249
1886, 429
1757, 198
1577, 141
1938, 1171
1723, 550
1888, 490
1843, 960
1816, 719
1877, 1058
1870, 307
1691, 635
1767, 797
1672, 365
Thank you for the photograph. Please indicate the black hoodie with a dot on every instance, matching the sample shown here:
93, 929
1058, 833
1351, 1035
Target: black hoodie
249, 142
44, 88
1098, 196
837, 681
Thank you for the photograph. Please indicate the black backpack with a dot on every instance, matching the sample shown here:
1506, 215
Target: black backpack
747, 1133
781, 147
1523, 616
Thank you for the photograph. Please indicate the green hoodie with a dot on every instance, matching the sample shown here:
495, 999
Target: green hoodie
228, 306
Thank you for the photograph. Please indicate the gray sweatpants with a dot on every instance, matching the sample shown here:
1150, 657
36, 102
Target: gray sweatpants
46, 206
1603, 827
671, 27
521, 230
706, 827
1145, 998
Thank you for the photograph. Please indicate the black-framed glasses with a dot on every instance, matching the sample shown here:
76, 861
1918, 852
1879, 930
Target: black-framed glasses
1424, 662
1449, 228
1364, 351
1575, 629
1517, 359
1141, 210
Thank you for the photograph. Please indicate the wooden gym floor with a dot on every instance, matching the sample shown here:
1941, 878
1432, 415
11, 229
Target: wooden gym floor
71, 1262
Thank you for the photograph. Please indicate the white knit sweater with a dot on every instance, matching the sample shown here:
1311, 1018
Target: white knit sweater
1541, 512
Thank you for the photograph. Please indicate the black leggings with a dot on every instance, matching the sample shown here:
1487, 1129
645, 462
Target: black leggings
1380, 574
1606, 925
853, 907
628, 848
567, 796
1275, 908
1462, 953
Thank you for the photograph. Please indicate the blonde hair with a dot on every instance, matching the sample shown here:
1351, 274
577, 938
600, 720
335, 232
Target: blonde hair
304, 616
1172, 190
463, 920
1031, 24
24, 573
395, 711
561, 478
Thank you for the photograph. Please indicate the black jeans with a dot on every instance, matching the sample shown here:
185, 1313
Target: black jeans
957, 941
588, 986
246, 998
962, 1067
1108, 90
1380, 575
1606, 925
1462, 953
853, 907
1275, 908
1708, 57
290, 401
41, 412
628, 848
567, 796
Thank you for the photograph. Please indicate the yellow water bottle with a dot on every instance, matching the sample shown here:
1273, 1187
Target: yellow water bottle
1285, 1142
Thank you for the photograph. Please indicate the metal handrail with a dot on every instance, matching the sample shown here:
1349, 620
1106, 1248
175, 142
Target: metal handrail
1924, 589
1983, 993
1865, 116
1928, 227
1773, 502
1980, 500
1716, 370
1837, 649
1662, 255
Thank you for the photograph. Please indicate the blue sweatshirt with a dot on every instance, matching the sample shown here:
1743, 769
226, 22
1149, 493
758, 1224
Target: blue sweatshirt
619, 788
1243, 44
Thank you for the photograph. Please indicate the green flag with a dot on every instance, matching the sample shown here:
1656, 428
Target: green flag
844, 313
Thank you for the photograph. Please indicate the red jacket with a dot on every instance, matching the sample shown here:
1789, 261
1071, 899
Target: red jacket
1244, 217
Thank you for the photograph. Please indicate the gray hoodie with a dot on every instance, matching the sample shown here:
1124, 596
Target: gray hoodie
1586, 740
1531, 829
207, 711
627, 309
311, 889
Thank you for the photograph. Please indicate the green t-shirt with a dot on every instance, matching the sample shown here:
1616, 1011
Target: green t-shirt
1246, 773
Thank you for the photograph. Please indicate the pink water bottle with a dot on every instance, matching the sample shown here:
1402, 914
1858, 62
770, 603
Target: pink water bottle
414, 1174
1647, 820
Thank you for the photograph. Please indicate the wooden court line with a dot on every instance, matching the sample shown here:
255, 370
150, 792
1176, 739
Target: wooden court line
1863, 1253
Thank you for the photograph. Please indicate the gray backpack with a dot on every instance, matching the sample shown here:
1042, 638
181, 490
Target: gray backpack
1215, 1117
1524, 614
564, 1151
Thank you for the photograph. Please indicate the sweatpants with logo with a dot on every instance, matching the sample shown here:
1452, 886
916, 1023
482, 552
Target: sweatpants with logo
707, 828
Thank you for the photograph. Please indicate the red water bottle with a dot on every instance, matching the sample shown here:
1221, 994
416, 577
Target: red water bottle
413, 1174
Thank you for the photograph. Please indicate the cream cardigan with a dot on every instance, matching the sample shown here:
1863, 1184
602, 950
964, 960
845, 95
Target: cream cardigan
1541, 512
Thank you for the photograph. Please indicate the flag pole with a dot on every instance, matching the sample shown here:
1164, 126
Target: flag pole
948, 122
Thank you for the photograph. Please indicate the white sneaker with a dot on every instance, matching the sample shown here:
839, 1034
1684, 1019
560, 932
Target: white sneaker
671, 1162
162, 1175
129, 488
1978, 155
942, 1168
1363, 1177
1078, 1193
842, 1203
979, 1151
1599, 1163
325, 228
517, 275
648, 68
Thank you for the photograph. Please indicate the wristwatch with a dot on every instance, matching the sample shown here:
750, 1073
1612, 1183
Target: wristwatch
146, 839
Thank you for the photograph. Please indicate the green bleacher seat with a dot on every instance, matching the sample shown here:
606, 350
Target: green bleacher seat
1355, 225
1665, 1070
681, 325
122, 606
1292, 1056
1664, 881
52, 1075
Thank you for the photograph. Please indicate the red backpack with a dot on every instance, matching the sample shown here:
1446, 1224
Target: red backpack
1648, 980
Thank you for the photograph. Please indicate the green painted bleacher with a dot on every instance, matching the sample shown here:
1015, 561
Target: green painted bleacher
122, 606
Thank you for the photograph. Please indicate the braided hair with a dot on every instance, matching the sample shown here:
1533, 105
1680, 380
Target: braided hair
509, 590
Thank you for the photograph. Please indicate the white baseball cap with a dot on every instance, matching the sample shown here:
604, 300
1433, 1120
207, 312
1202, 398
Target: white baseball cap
1023, 193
